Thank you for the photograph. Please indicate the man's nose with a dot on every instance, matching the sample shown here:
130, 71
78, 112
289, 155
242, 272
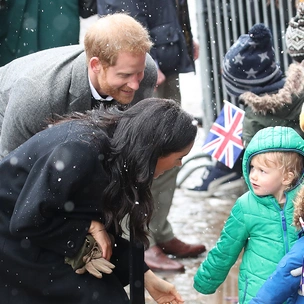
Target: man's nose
134, 82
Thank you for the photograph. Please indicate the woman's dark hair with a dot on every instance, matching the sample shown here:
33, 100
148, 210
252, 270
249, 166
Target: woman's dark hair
150, 129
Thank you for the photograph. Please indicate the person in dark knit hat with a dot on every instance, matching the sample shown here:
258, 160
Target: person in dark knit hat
251, 73
295, 35
295, 44
249, 65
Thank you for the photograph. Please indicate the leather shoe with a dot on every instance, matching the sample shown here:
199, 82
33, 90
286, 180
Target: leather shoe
157, 260
181, 249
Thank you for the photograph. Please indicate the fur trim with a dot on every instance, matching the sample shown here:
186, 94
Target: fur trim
294, 85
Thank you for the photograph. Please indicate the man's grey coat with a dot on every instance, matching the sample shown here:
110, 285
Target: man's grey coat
38, 86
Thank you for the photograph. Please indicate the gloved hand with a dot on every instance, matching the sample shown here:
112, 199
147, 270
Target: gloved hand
95, 264
89, 258
295, 273
77, 260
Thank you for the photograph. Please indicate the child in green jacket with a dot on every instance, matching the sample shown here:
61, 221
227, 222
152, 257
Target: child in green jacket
252, 76
260, 222
286, 282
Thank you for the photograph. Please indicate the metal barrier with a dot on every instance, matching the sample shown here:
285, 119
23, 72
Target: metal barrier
220, 23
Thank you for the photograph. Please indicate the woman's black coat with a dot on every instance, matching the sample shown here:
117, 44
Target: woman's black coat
50, 189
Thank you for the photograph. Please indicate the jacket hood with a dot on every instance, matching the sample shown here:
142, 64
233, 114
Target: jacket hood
269, 140
294, 85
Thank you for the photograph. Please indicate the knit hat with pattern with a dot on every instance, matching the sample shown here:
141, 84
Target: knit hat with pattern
249, 65
295, 33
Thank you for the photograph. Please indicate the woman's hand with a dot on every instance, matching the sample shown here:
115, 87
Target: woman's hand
99, 233
160, 290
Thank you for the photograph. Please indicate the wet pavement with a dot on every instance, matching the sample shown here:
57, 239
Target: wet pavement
199, 221
196, 219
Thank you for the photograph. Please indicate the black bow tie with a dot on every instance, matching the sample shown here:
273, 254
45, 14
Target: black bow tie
95, 103
106, 103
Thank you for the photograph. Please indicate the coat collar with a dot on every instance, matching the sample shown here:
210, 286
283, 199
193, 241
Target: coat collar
294, 85
80, 93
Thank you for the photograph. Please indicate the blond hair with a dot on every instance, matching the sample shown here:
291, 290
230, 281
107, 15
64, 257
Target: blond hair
298, 207
286, 161
115, 33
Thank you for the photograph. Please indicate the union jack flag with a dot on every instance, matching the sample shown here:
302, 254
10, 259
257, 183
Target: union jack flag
224, 141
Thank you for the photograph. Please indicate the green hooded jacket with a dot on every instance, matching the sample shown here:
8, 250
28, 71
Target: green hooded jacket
256, 224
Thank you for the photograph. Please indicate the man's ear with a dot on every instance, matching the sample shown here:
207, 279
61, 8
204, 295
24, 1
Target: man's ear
95, 65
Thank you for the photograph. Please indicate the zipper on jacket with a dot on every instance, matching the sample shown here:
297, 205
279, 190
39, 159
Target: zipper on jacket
283, 221
284, 230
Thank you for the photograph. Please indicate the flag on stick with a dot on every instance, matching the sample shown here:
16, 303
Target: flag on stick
224, 141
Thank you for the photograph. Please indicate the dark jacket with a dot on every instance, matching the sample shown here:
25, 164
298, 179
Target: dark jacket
169, 26
28, 26
50, 194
